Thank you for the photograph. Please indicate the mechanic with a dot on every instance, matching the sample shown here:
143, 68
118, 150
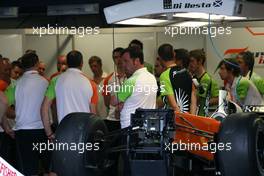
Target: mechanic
9, 123
61, 66
99, 75
179, 92
241, 90
158, 69
16, 70
27, 96
207, 93
42, 68
139, 44
182, 58
74, 92
246, 62
139, 90
111, 82
3, 105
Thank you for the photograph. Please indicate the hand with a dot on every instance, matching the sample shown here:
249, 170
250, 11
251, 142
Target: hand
119, 106
117, 114
10, 113
11, 133
51, 137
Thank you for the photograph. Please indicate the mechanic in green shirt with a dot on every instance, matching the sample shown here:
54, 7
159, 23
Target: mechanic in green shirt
208, 89
241, 90
177, 88
246, 62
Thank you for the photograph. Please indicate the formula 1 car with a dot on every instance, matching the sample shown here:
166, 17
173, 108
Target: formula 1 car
161, 142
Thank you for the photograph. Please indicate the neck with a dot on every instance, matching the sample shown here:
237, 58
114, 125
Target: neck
100, 73
246, 73
120, 71
231, 79
170, 64
200, 72
140, 66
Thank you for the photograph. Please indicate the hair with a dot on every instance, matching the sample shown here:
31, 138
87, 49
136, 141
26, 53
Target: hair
165, 52
231, 64
119, 50
29, 60
248, 58
199, 55
30, 51
136, 42
74, 59
134, 52
16, 64
95, 59
183, 55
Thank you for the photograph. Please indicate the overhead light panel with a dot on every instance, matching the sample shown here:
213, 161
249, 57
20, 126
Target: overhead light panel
77, 9
8, 12
199, 15
142, 21
191, 24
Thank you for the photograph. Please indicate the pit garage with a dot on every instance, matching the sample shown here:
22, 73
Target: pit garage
146, 138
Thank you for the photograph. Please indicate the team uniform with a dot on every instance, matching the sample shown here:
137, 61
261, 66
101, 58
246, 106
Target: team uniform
258, 82
244, 92
138, 91
27, 96
178, 82
73, 91
111, 84
3, 86
101, 109
211, 90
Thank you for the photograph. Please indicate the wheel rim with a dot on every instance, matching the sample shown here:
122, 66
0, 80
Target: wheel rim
260, 149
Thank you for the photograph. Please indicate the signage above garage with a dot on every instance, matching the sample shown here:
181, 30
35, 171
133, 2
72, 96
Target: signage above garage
133, 9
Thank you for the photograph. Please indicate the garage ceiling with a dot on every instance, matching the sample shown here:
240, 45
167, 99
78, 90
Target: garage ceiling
32, 13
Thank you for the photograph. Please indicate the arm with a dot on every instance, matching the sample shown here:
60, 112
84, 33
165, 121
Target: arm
45, 116
7, 128
3, 105
173, 104
107, 99
213, 101
94, 98
193, 104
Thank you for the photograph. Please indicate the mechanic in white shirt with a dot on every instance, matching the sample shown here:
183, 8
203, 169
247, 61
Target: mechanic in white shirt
110, 87
74, 92
27, 96
139, 90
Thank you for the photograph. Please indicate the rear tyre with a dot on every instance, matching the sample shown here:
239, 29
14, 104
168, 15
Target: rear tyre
244, 134
83, 154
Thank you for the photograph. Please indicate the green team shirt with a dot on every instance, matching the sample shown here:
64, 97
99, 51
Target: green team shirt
205, 81
50, 92
165, 82
127, 88
240, 88
10, 93
259, 82
178, 82
149, 67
